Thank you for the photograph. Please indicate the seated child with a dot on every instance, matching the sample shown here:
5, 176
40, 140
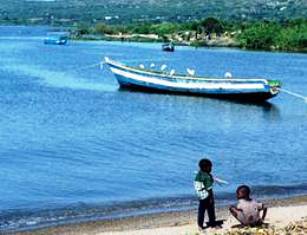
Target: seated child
247, 212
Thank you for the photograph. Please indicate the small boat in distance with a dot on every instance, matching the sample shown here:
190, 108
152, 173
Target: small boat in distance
245, 90
56, 38
168, 47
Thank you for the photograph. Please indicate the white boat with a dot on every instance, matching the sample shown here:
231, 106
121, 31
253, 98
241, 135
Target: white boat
135, 78
168, 47
56, 38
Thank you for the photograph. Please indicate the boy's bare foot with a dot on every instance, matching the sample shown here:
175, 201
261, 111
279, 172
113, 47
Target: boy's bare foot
217, 226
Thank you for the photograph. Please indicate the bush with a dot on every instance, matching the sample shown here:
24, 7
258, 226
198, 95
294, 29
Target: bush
102, 28
259, 35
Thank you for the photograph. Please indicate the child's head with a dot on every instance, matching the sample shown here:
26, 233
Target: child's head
205, 165
243, 192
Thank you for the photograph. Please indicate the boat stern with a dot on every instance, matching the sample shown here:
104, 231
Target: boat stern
274, 86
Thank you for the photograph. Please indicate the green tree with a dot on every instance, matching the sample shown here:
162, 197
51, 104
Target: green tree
164, 28
212, 25
83, 29
259, 35
102, 28
293, 37
141, 29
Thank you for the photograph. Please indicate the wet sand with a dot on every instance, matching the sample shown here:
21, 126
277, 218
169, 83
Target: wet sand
282, 212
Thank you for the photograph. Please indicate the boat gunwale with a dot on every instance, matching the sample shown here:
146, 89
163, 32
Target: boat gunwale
182, 77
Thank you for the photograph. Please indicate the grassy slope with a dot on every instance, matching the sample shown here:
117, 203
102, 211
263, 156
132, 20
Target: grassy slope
173, 10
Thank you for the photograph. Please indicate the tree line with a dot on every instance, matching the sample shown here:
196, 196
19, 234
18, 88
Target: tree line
288, 35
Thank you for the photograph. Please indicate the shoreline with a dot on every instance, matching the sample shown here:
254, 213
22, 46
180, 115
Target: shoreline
200, 45
149, 38
161, 221
222, 42
215, 42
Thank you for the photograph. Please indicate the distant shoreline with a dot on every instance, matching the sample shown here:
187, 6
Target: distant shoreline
257, 36
213, 43
150, 221
208, 32
220, 42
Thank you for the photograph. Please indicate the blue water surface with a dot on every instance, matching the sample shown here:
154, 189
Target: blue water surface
70, 141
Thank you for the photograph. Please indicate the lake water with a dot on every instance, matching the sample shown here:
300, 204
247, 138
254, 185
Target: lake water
74, 148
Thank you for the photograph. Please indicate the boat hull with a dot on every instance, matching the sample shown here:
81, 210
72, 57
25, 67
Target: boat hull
246, 97
168, 48
56, 38
240, 89
55, 42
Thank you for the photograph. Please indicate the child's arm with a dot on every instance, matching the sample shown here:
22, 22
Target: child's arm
220, 181
264, 212
264, 209
234, 210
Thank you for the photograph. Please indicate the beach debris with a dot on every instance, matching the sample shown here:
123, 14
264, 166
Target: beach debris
152, 65
142, 66
250, 231
297, 228
293, 228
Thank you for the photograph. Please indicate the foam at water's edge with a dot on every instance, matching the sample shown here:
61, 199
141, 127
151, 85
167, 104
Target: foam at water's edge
18, 220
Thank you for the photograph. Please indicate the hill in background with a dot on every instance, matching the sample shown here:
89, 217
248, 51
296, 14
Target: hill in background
118, 11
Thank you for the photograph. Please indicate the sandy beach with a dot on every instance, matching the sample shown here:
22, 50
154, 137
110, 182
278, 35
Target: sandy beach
285, 216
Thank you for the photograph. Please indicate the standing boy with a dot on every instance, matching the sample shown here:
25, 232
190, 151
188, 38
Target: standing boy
203, 184
247, 212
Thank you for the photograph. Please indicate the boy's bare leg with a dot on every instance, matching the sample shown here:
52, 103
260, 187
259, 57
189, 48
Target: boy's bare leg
201, 213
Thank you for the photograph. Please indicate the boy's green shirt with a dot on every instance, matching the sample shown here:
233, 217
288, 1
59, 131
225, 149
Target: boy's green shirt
205, 178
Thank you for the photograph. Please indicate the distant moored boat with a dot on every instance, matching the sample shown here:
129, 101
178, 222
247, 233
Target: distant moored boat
253, 90
168, 47
56, 38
